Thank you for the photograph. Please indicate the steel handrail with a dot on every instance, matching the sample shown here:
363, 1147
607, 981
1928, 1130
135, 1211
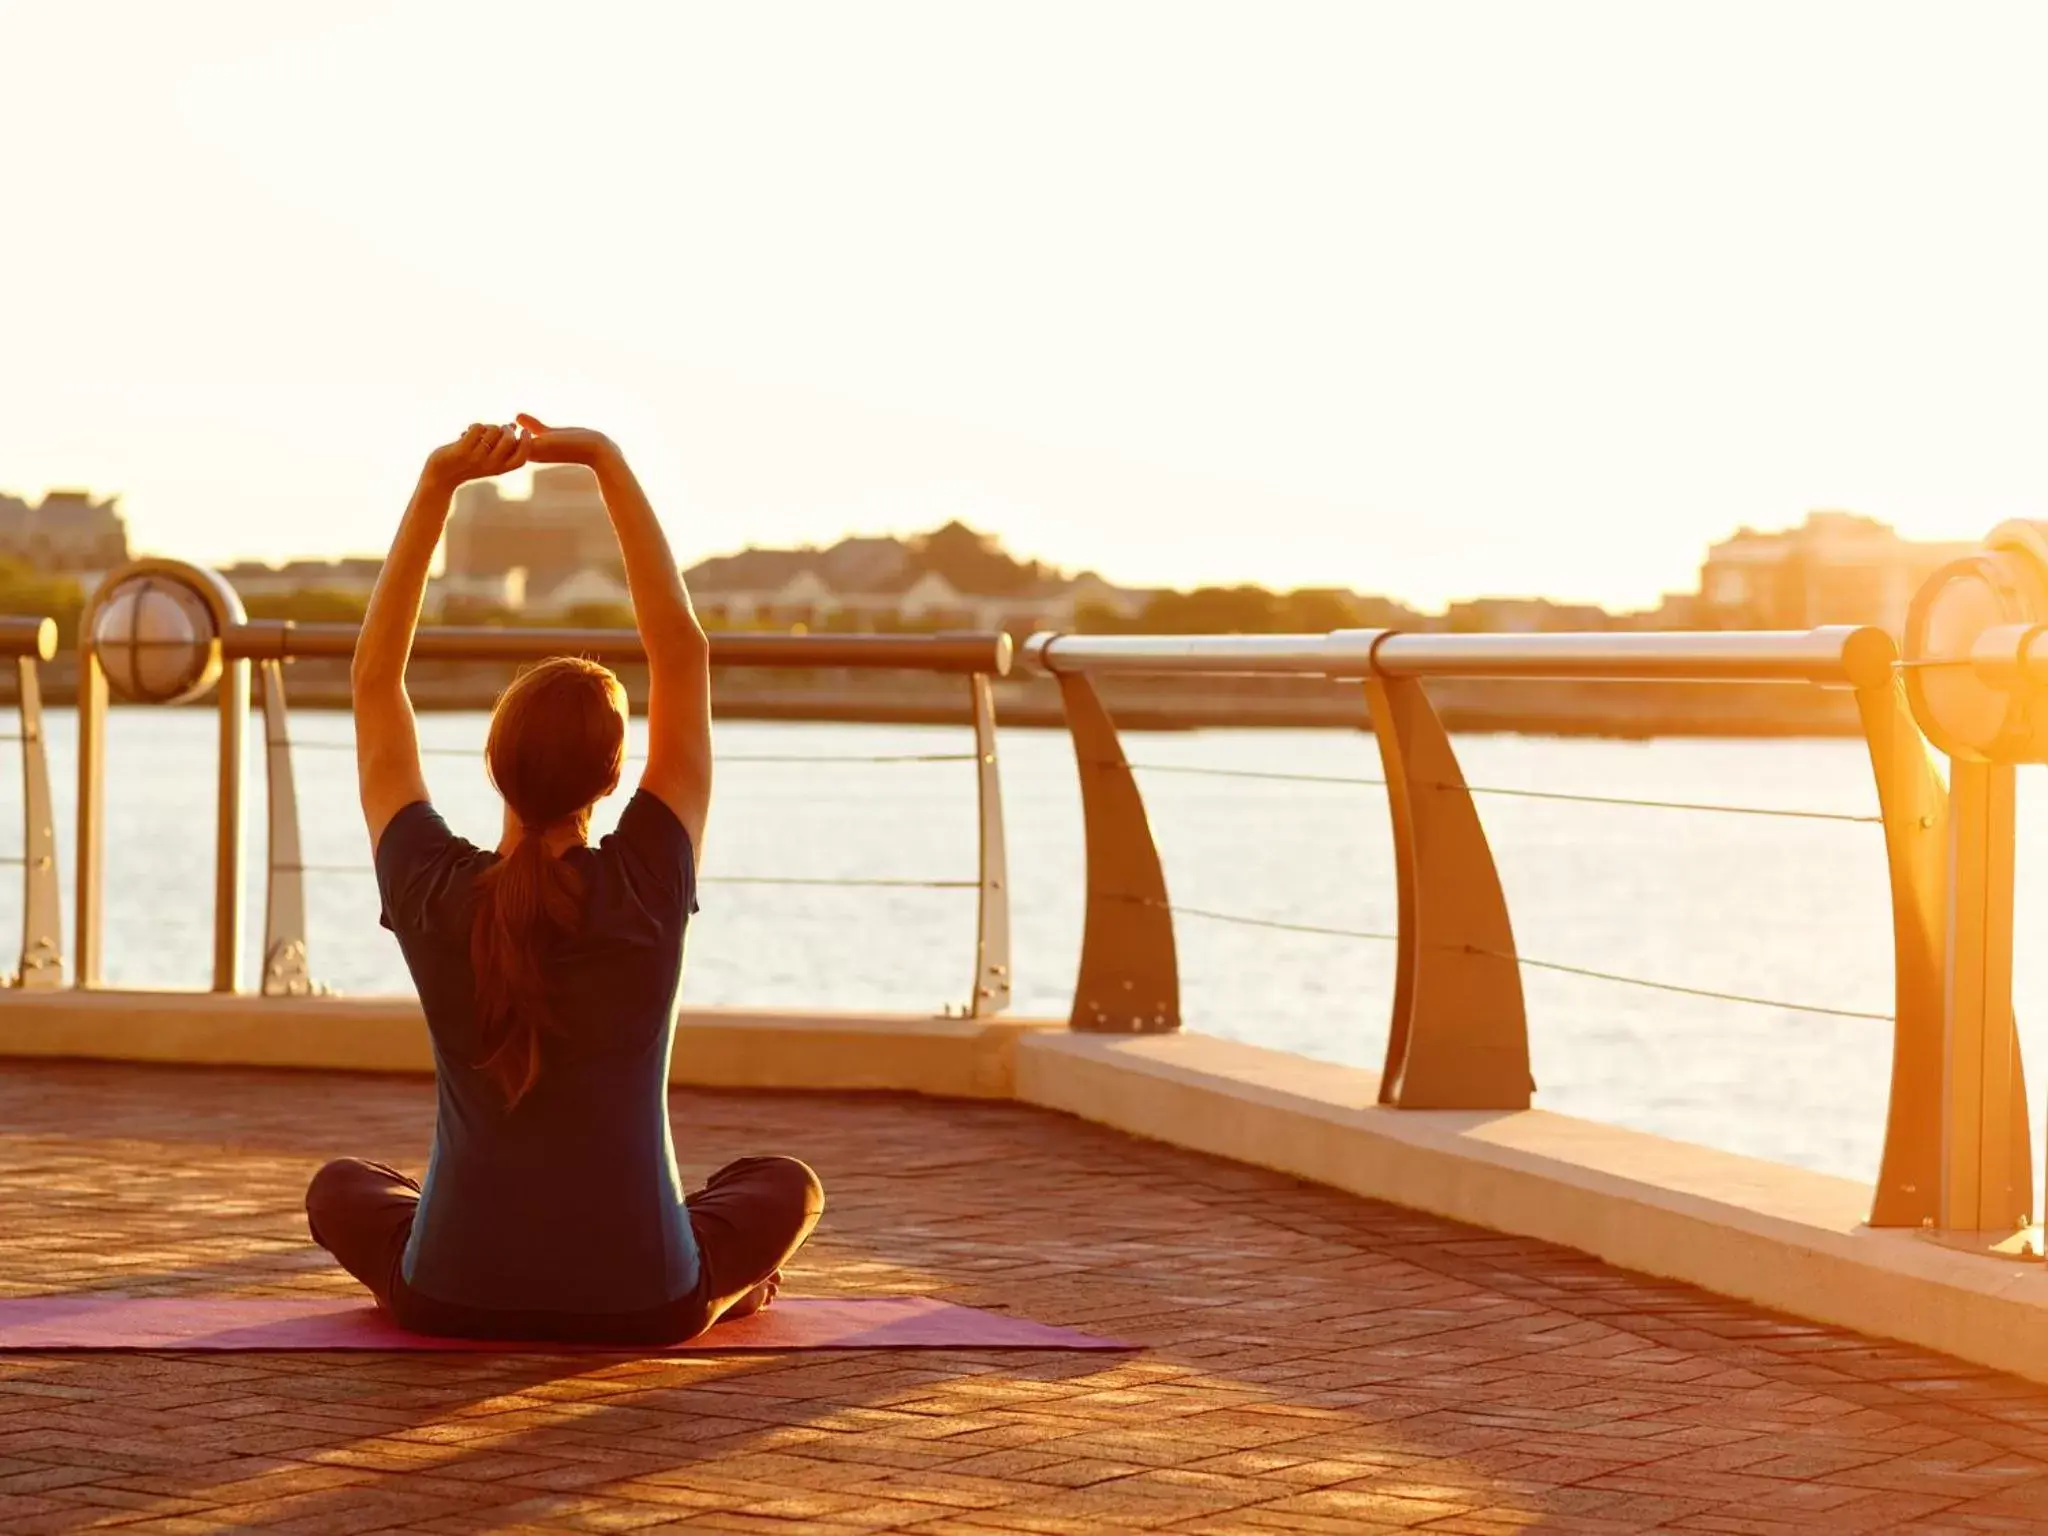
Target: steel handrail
1858, 655
24, 636
987, 654
1342, 653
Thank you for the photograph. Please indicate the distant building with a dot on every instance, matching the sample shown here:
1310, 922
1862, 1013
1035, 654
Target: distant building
1674, 610
586, 589
449, 599
554, 534
951, 578
351, 577
67, 531
475, 599
1835, 568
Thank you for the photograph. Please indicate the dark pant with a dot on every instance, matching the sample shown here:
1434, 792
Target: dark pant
748, 1219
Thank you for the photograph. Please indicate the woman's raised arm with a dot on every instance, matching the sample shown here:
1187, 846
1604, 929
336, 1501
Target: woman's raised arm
387, 739
678, 653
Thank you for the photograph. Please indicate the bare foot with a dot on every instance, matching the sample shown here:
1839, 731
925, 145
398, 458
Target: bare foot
759, 1297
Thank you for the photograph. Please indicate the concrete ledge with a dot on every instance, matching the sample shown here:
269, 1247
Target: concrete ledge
349, 1034
715, 1048
947, 1058
1777, 1236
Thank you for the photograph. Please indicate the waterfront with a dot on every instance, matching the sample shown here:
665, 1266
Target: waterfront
1777, 907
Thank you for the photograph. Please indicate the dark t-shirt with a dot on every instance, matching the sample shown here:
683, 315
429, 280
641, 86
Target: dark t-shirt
570, 1200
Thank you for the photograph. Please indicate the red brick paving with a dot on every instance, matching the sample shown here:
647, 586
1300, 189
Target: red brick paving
1315, 1362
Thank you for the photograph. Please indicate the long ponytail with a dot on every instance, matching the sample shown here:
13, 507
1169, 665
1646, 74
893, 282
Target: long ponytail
557, 745
523, 894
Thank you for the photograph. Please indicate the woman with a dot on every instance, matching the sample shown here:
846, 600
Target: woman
548, 971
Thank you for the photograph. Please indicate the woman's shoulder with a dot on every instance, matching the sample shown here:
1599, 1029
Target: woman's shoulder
424, 868
651, 850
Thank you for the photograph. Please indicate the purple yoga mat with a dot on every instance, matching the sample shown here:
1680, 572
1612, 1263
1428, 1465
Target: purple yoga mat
105, 1321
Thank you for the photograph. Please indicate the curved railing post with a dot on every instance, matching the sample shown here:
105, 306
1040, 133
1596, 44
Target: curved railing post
992, 910
1459, 1037
286, 970
1129, 980
42, 921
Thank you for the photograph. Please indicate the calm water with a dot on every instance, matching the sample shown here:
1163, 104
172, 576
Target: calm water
1786, 909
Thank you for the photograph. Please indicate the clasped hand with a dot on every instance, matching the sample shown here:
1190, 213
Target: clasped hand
484, 451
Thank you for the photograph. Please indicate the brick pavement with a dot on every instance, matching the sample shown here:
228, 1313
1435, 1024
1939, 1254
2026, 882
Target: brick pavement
1316, 1362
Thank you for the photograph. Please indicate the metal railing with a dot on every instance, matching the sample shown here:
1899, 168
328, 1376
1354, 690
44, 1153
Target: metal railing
977, 657
31, 642
250, 658
1458, 1037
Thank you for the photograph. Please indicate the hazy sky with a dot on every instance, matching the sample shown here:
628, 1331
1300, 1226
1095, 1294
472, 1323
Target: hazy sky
1435, 299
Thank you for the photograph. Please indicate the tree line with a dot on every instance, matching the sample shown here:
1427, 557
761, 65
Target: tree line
1205, 610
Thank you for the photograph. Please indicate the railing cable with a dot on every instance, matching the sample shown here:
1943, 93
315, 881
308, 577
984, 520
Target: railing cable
320, 745
1674, 805
1248, 773
1520, 794
798, 880
1356, 780
1234, 918
1671, 986
1240, 920
848, 757
1243, 920
326, 744
820, 880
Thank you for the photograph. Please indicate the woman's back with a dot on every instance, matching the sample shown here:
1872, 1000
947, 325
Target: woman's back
568, 1198
548, 970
